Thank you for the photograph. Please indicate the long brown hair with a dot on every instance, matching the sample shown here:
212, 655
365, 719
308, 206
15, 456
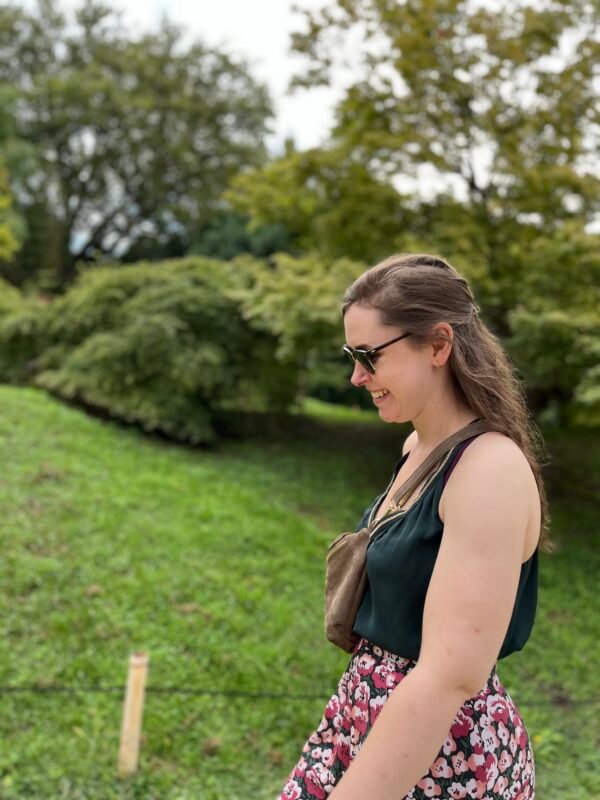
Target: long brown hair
416, 291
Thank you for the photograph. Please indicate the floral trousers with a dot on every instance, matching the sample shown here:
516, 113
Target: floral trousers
487, 754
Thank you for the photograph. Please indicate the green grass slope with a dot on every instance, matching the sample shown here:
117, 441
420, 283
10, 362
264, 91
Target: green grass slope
212, 561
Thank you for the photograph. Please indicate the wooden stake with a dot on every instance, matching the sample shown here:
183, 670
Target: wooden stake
133, 710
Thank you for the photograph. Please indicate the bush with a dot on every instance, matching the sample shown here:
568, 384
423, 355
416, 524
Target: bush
162, 345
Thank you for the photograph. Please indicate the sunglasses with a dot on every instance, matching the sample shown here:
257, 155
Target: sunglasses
367, 358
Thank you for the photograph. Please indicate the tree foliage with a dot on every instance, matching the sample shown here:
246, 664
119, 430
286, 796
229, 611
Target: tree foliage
331, 204
9, 243
453, 85
135, 135
495, 115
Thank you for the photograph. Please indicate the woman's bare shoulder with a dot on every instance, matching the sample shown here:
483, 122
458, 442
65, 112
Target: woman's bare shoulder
491, 450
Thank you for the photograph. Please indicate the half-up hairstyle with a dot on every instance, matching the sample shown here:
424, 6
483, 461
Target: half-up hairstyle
416, 291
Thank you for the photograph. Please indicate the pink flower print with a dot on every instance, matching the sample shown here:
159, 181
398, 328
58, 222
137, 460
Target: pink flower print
473, 788
475, 738
462, 725
375, 706
500, 784
361, 720
355, 736
300, 768
459, 762
377, 650
332, 707
504, 761
362, 695
441, 769
481, 775
512, 745
497, 708
491, 768
479, 704
522, 741
503, 733
342, 750
521, 758
292, 791
327, 736
476, 760
516, 771
314, 738
456, 791
345, 721
323, 725
317, 752
490, 740
485, 721
430, 787
313, 786
365, 664
323, 774
449, 746
383, 677
328, 757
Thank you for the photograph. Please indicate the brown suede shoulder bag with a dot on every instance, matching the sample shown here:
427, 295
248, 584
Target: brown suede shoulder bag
346, 571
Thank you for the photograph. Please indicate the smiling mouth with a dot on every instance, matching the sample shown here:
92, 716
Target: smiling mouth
379, 395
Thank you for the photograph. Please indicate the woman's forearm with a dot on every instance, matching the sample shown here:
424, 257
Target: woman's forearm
405, 739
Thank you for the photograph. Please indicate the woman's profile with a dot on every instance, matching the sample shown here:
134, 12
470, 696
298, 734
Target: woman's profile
420, 711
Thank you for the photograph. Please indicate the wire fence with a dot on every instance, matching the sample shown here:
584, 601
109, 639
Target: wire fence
559, 700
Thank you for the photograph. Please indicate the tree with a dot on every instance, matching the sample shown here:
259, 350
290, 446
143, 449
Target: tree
13, 155
135, 136
330, 203
449, 84
501, 105
9, 243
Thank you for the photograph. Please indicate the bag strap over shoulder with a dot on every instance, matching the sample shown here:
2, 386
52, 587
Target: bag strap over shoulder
472, 429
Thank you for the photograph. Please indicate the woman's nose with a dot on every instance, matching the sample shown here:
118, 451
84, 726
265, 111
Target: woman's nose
359, 375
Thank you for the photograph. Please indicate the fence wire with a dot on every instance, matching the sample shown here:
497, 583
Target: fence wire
560, 701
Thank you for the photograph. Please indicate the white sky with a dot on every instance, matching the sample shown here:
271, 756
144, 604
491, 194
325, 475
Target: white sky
260, 31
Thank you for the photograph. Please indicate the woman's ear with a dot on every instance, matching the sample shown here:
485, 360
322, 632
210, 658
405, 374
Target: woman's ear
442, 337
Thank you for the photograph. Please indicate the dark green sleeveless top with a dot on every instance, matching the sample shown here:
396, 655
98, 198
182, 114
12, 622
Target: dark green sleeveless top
400, 560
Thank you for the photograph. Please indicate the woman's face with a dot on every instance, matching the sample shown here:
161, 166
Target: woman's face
405, 373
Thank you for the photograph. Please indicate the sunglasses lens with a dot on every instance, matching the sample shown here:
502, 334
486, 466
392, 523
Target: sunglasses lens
356, 356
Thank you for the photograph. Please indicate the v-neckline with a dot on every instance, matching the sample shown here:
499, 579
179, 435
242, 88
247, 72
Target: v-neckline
427, 480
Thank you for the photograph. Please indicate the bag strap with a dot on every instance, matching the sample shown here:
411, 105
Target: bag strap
472, 429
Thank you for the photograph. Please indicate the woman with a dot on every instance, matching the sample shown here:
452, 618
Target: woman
420, 711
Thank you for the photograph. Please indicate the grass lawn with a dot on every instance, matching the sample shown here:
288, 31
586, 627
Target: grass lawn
213, 561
